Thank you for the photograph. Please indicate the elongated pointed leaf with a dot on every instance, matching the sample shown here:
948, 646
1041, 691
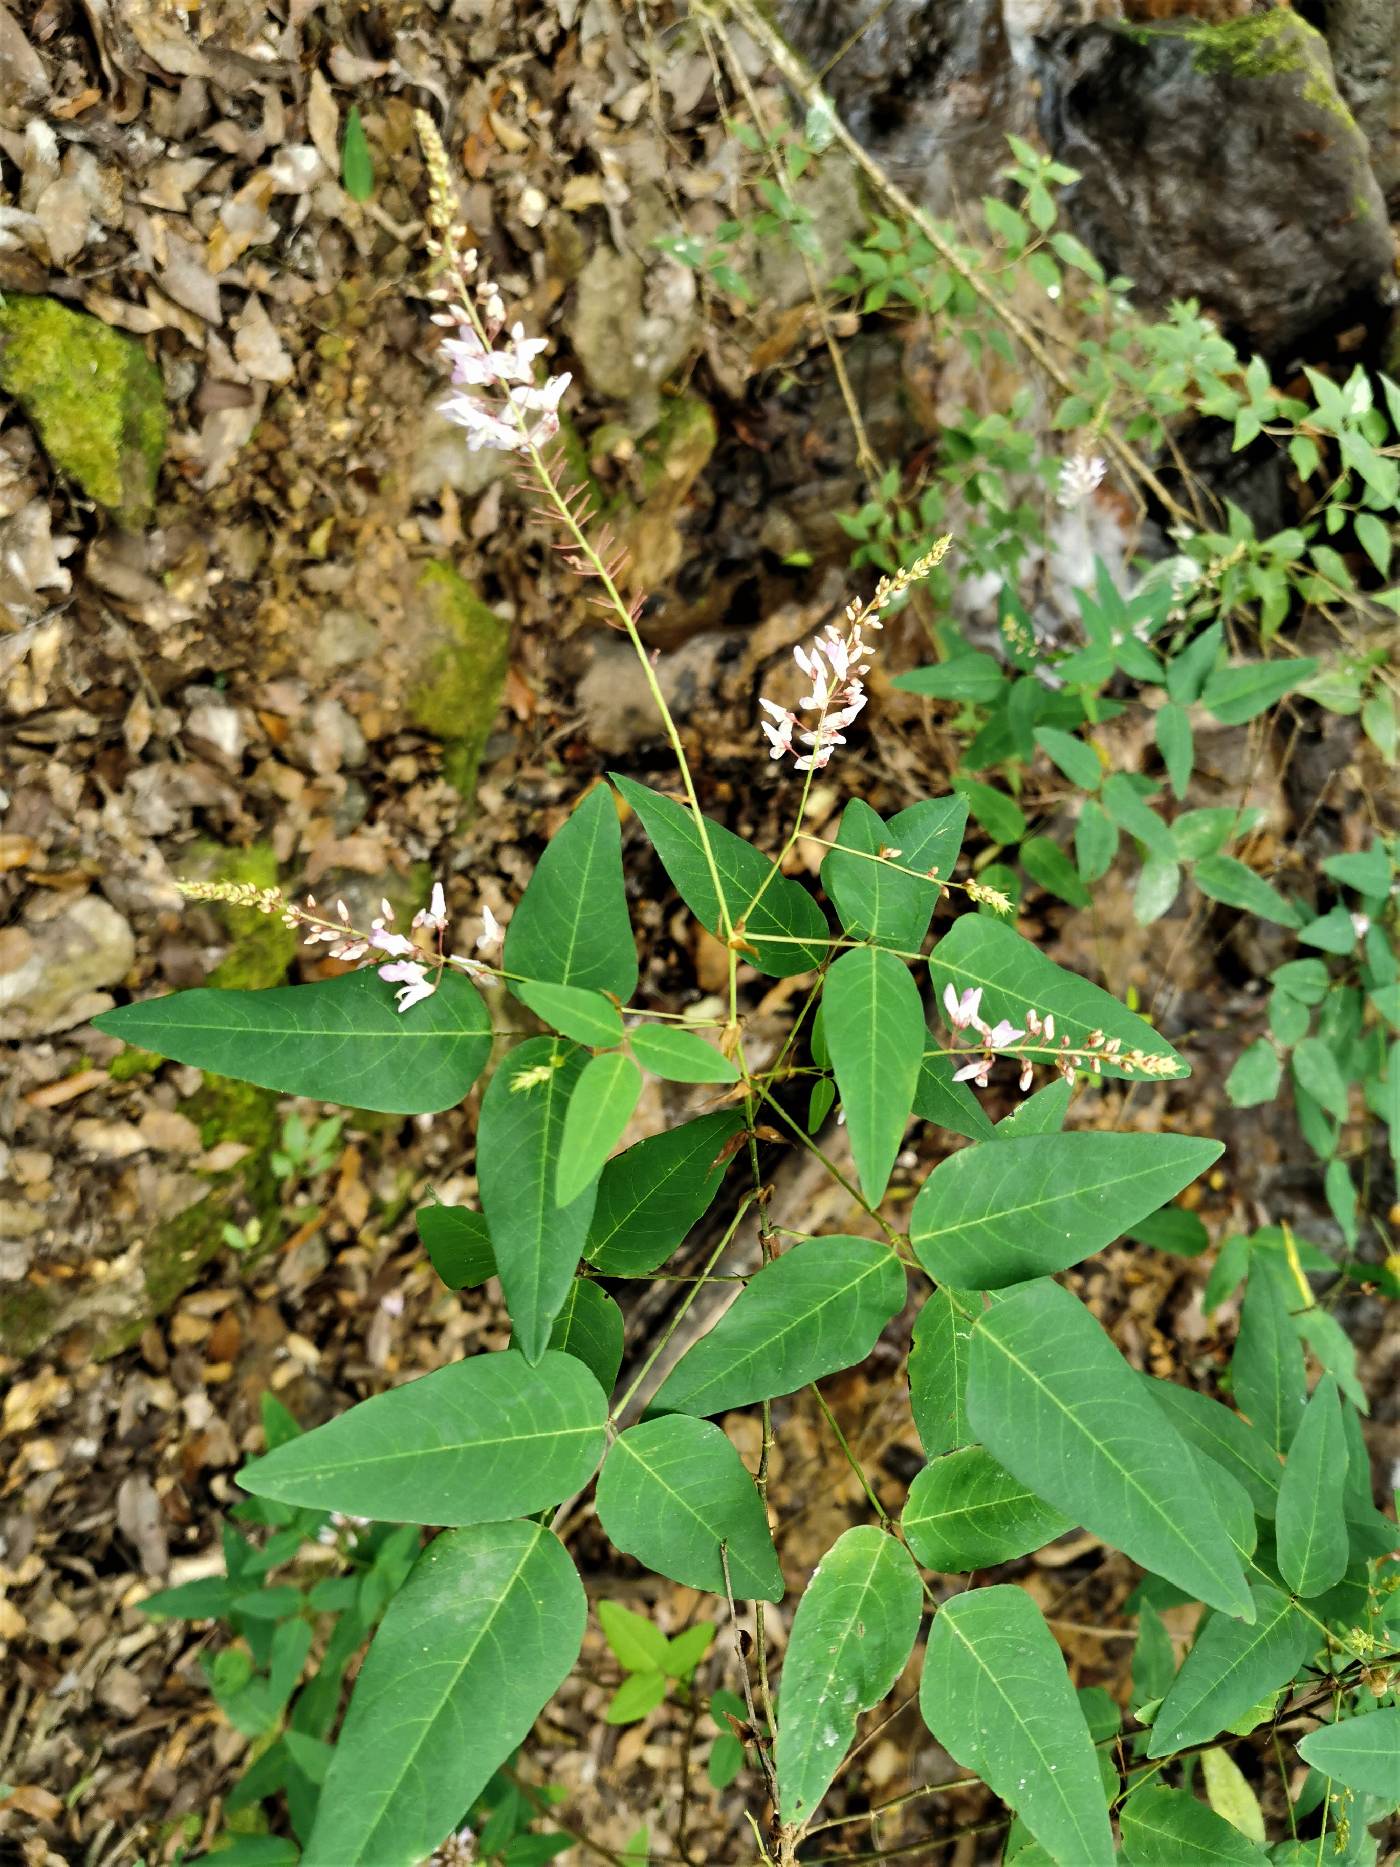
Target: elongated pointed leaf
1230, 1668
572, 925
342, 1040
680, 1056
967, 1512
519, 1137
600, 1107
880, 903
1222, 1435
1267, 1371
937, 1369
1011, 1210
996, 1695
1235, 694
874, 1023
1363, 1753
786, 931
1055, 1403
589, 1327
1313, 1545
1169, 1828
1016, 976
1041, 1113
471, 1649
458, 1244
573, 1010
937, 1098
671, 1491
651, 1194
818, 1308
851, 1638
485, 1438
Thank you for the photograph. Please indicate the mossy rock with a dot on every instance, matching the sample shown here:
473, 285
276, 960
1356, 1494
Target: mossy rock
462, 648
1264, 45
179, 1248
29, 1314
95, 397
262, 947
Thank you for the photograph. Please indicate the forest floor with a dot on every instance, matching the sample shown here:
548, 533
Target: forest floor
271, 680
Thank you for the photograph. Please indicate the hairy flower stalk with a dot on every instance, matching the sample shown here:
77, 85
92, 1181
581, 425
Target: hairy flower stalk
414, 962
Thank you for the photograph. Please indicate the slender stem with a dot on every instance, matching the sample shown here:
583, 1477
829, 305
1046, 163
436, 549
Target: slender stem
754, 1726
886, 1521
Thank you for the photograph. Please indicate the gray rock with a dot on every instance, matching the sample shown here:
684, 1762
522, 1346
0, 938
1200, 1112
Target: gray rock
616, 702
59, 983
631, 327
1220, 162
1364, 38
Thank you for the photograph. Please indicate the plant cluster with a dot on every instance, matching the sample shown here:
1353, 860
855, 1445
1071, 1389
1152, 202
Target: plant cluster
1258, 1507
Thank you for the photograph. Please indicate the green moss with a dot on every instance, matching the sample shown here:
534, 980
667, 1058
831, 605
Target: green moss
28, 1315
262, 947
95, 397
461, 672
680, 445
1264, 45
133, 1062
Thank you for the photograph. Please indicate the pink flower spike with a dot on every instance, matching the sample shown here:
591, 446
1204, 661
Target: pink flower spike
412, 979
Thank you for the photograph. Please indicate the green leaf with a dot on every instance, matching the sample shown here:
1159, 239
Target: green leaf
1313, 1546
572, 925
679, 1056
1255, 1075
965, 1512
637, 1643
1172, 1228
1157, 888
937, 1098
1079, 762
589, 1327
874, 1023
1041, 1113
1169, 1828
937, 1369
479, 1440
1005, 1211
671, 1491
973, 676
1095, 841
356, 165
1315, 1070
1197, 833
1015, 975
1241, 1449
1231, 1667
1053, 1400
458, 1245
1131, 812
574, 1011
818, 1308
851, 1638
651, 1194
1368, 871
1225, 879
1362, 1752
1306, 980
1333, 932
1231, 1796
635, 1698
996, 1696
1373, 535
490, 1621
1045, 862
600, 1107
686, 1650
520, 1137
998, 815
342, 1040
786, 909
1176, 744
1154, 1660
1267, 1373
1237, 693
879, 903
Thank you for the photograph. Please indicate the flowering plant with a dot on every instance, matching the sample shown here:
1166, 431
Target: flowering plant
1032, 1420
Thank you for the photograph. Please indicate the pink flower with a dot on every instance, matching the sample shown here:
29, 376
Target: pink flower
1003, 1034
412, 979
963, 1011
435, 914
978, 1071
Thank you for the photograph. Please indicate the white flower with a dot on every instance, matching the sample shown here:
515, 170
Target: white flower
1078, 478
963, 1011
490, 936
412, 979
1003, 1034
977, 1071
435, 914
396, 944
1361, 925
